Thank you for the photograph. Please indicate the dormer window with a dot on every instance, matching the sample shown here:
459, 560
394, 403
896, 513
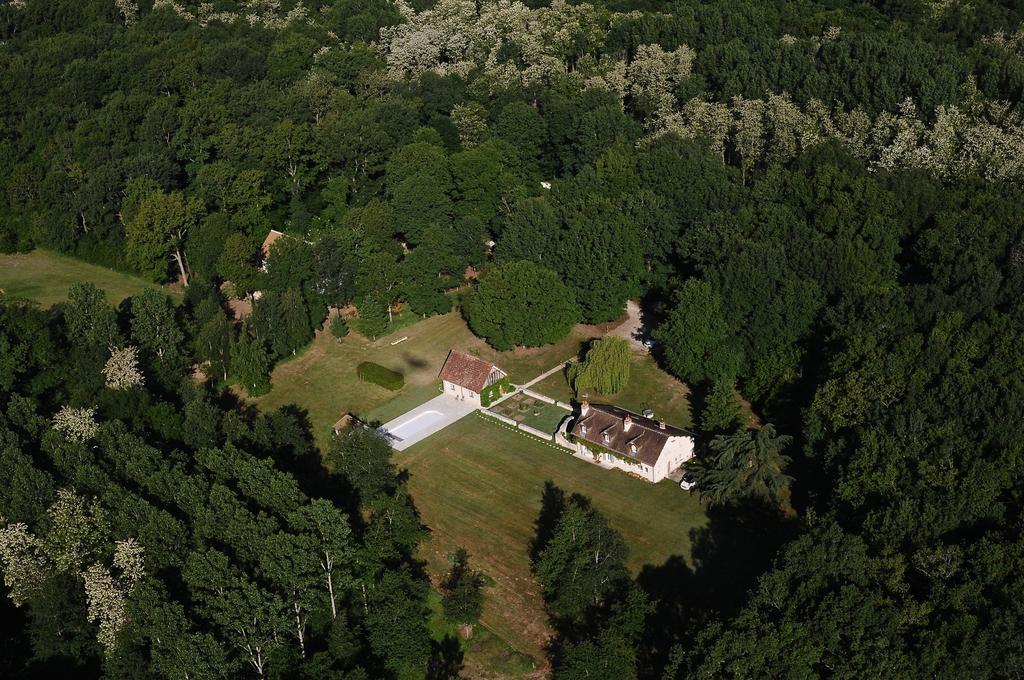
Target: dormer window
583, 430
632, 447
606, 438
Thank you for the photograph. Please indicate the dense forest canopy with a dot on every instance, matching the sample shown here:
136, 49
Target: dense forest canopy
816, 202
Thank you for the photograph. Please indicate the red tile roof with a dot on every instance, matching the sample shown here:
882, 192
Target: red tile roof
269, 241
466, 371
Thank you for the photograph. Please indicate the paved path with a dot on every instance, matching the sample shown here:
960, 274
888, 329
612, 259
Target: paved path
632, 328
526, 385
424, 420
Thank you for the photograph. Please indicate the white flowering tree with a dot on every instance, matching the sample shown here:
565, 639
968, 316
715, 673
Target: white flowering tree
107, 591
25, 565
122, 369
78, 535
76, 424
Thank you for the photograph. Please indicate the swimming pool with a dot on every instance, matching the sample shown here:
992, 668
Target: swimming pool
425, 420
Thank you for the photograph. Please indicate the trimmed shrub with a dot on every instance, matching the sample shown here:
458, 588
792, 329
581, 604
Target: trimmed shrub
339, 327
379, 375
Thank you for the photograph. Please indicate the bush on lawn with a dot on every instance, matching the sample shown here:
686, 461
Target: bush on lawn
339, 327
379, 375
492, 393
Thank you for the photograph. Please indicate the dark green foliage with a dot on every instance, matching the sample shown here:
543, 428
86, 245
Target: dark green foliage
585, 238
250, 363
875, 314
462, 590
91, 322
339, 327
721, 408
695, 337
380, 375
235, 555
748, 463
597, 611
520, 303
583, 563
212, 337
374, 314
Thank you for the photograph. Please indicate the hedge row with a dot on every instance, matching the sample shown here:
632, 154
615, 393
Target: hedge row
378, 375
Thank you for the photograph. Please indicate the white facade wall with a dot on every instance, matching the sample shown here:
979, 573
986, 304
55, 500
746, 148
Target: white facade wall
535, 432
539, 396
460, 392
677, 451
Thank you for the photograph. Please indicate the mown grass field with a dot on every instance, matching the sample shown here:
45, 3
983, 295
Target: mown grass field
478, 485
322, 379
45, 277
648, 387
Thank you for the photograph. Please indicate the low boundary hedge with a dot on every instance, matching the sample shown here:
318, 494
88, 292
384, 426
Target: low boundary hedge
379, 375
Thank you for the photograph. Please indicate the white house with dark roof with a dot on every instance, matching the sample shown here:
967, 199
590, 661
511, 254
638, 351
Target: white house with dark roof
465, 377
621, 439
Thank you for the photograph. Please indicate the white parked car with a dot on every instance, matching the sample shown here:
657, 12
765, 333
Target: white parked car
648, 343
687, 483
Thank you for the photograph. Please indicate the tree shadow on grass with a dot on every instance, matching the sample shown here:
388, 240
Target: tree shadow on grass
446, 659
729, 554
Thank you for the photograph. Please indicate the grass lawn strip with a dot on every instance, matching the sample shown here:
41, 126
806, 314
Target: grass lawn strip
45, 277
478, 484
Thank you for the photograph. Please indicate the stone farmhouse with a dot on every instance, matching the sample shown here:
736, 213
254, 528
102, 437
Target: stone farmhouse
465, 377
618, 438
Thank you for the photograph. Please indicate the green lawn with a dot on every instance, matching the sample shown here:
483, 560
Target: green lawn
322, 379
649, 387
485, 654
478, 484
45, 277
535, 413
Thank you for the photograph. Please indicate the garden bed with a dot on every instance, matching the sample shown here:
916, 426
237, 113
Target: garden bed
531, 412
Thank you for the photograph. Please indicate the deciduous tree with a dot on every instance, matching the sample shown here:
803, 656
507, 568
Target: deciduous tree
696, 338
520, 303
462, 595
605, 368
158, 229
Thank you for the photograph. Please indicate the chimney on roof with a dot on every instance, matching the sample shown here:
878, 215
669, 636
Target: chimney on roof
584, 407
627, 423
661, 424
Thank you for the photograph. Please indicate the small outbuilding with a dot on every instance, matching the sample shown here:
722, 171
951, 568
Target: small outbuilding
464, 376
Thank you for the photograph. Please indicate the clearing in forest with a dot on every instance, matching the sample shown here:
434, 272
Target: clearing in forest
45, 277
322, 378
